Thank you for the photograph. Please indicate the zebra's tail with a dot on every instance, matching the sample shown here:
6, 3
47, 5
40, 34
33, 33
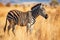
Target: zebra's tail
5, 25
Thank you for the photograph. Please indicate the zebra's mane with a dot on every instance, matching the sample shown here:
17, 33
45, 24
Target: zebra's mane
35, 6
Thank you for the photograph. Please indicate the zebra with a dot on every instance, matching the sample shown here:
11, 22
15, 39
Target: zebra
16, 17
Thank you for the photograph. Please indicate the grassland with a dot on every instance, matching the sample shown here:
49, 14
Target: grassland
44, 29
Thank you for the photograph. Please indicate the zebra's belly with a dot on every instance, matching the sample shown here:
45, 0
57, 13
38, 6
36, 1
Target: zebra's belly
23, 22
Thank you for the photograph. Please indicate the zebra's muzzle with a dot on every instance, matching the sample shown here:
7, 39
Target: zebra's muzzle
46, 16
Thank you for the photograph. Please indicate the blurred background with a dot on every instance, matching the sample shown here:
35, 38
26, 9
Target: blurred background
44, 29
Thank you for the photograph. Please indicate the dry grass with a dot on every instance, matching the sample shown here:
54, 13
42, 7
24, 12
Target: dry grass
44, 29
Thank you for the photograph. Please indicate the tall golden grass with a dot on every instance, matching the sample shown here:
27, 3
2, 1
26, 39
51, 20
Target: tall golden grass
44, 29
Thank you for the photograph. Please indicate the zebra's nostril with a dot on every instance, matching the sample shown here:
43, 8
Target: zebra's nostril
46, 16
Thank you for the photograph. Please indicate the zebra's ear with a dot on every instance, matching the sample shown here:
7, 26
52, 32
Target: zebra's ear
41, 6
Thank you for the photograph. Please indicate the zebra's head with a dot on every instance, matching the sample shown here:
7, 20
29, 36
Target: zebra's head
39, 10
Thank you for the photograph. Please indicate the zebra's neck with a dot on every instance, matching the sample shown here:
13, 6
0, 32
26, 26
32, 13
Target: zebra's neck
35, 13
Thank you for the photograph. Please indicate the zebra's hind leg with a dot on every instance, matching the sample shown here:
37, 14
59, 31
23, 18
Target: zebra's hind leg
9, 27
13, 27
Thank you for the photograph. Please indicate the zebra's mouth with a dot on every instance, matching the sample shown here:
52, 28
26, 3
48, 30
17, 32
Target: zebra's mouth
46, 16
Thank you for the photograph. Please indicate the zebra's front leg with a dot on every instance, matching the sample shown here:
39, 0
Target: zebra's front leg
29, 28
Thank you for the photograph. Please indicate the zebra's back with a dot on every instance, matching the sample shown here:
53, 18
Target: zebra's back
13, 15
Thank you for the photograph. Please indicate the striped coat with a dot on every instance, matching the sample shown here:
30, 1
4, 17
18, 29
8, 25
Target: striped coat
16, 17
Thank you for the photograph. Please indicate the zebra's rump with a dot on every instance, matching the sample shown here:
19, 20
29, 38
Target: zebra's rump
13, 15
18, 17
